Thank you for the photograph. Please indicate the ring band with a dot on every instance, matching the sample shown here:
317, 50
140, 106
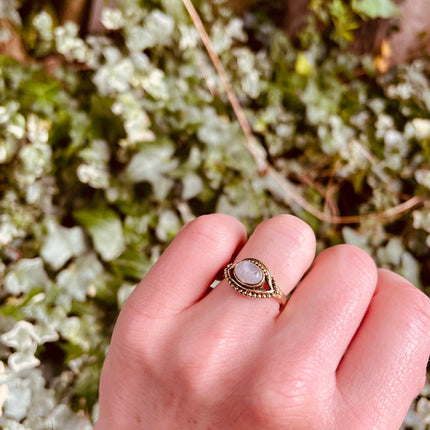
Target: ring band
252, 278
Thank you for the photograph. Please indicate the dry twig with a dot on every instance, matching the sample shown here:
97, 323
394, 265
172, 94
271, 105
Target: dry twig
252, 145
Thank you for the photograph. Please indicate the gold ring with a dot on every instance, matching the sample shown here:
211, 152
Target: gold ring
252, 278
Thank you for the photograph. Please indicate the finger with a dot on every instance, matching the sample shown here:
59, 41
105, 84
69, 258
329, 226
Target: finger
326, 309
385, 363
180, 277
232, 329
286, 245
188, 266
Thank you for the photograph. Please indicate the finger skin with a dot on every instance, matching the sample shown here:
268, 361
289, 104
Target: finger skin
188, 266
286, 245
385, 364
222, 348
181, 360
229, 321
326, 308
311, 335
180, 277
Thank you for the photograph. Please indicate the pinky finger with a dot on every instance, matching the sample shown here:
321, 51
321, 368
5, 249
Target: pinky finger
384, 366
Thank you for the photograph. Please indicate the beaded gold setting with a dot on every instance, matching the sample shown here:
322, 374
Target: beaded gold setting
265, 286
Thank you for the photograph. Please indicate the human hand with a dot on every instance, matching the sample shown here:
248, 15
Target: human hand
349, 350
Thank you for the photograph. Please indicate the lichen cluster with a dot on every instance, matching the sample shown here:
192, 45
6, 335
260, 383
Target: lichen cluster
106, 154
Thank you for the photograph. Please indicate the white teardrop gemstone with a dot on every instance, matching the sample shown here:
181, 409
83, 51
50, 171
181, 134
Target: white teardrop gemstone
248, 272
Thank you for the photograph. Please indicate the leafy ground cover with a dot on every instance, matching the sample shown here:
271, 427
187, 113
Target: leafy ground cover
110, 143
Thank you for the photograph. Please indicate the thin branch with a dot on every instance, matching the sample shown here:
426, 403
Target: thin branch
260, 158
252, 146
334, 219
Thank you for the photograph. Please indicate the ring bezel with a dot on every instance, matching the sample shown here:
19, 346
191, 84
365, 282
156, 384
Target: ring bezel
255, 290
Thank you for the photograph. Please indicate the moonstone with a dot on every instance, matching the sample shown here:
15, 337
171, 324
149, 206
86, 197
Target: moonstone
248, 272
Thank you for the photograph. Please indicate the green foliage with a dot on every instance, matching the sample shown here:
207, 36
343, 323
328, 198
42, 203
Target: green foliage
342, 18
375, 8
131, 136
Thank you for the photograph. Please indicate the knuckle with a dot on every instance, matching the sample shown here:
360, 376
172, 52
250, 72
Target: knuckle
133, 343
295, 408
192, 375
356, 255
293, 396
199, 363
216, 230
417, 308
296, 232
414, 303
353, 260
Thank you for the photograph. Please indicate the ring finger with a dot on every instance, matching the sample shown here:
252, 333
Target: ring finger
286, 245
231, 328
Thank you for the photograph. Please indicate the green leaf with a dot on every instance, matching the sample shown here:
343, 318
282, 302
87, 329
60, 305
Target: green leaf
26, 275
375, 8
77, 278
105, 228
344, 19
151, 162
410, 269
61, 244
132, 265
168, 225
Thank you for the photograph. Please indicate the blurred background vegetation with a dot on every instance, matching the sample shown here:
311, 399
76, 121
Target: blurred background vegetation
116, 129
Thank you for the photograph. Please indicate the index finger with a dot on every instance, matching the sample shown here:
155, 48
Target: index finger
187, 267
